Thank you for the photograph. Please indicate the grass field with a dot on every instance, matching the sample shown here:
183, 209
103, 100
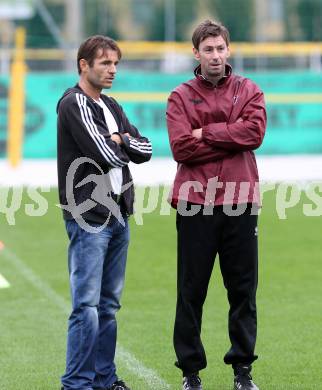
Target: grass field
35, 307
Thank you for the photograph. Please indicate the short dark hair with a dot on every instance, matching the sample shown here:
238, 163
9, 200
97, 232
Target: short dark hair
209, 29
89, 48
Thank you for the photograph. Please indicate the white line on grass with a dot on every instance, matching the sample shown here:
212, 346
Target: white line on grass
132, 364
32, 278
4, 282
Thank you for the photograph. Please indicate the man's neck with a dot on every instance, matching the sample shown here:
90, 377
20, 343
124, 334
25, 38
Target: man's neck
214, 80
90, 90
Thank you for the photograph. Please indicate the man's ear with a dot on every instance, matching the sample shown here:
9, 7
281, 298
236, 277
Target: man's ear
83, 64
196, 53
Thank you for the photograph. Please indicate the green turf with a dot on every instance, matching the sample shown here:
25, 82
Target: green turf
33, 315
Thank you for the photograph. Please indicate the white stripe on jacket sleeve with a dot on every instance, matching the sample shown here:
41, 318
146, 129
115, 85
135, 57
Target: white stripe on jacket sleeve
144, 147
101, 137
140, 150
98, 138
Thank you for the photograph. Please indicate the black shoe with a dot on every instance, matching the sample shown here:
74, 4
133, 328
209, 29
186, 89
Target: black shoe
191, 382
243, 379
118, 385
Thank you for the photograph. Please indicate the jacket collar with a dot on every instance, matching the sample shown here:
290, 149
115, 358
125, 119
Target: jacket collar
208, 84
78, 87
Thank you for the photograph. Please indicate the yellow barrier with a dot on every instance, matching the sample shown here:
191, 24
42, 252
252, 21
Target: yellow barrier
16, 111
272, 98
157, 50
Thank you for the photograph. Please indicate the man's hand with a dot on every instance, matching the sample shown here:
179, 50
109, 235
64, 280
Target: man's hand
117, 138
197, 133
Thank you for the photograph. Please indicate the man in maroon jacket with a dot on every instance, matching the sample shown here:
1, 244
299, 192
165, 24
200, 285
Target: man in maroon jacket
215, 121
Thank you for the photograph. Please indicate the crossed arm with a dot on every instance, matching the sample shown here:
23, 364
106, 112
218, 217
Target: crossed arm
197, 133
188, 147
215, 141
137, 147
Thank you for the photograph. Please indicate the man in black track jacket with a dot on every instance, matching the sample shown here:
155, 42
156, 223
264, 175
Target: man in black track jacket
96, 142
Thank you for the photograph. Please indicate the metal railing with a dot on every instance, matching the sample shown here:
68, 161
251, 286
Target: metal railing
176, 56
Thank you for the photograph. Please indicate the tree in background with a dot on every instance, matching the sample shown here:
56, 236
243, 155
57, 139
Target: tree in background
100, 18
310, 15
145, 19
303, 20
237, 15
185, 11
38, 34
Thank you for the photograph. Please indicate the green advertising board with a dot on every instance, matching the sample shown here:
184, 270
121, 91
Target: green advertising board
294, 107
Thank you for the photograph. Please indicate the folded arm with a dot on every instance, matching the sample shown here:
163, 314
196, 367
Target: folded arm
246, 133
186, 148
137, 147
89, 132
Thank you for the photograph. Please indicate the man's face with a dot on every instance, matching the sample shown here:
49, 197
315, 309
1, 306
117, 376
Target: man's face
102, 72
212, 55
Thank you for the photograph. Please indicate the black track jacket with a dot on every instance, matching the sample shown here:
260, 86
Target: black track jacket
82, 132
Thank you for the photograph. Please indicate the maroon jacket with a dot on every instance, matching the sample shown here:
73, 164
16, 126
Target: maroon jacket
220, 168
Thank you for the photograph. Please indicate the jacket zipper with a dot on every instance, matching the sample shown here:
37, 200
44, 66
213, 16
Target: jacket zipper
235, 98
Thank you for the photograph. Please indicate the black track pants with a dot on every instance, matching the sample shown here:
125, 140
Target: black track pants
200, 238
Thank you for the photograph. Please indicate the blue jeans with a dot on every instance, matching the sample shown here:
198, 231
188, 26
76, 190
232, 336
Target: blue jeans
96, 270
